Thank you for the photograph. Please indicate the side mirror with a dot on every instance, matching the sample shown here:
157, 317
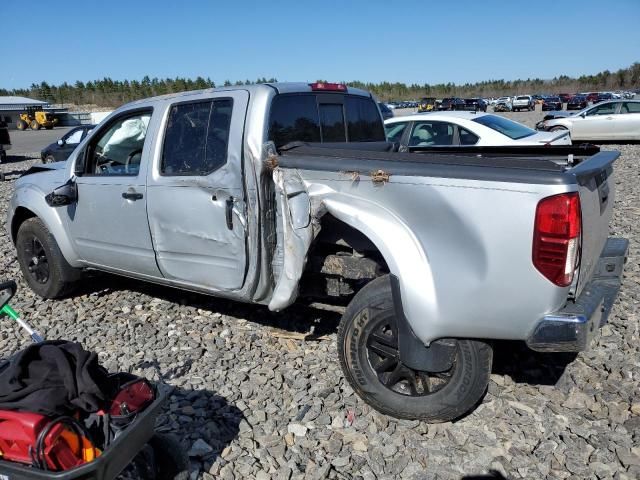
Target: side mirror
61, 142
63, 195
583, 114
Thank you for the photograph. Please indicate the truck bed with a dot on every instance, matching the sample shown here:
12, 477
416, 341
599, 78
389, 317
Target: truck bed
520, 168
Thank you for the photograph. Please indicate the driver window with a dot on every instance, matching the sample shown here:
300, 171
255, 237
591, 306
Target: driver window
118, 151
74, 138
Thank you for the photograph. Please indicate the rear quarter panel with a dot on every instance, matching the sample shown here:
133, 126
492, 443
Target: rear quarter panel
461, 249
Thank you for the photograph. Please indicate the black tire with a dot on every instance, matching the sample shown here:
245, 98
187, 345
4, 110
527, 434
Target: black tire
557, 128
49, 158
34, 125
456, 391
43, 266
50, 127
21, 125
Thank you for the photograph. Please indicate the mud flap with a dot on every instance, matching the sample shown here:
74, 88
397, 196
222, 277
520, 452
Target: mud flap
437, 357
295, 233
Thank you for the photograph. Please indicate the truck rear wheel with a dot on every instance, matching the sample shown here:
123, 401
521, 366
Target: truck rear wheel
369, 357
43, 266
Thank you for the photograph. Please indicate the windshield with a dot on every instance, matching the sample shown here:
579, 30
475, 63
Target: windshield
553, 99
507, 127
522, 98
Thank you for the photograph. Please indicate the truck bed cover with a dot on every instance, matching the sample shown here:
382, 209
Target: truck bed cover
517, 169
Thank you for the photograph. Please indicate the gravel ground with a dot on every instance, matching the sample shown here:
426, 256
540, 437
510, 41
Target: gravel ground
256, 398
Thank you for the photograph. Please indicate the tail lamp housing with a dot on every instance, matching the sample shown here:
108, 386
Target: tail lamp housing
557, 237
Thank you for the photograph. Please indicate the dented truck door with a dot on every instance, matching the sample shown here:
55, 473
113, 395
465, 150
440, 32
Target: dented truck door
196, 195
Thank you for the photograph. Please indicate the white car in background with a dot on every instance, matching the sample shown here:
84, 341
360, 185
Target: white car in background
457, 128
612, 120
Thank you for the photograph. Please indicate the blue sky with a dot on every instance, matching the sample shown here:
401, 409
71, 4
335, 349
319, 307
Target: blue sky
410, 41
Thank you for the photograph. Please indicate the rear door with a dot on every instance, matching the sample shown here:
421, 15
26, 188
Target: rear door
629, 122
196, 196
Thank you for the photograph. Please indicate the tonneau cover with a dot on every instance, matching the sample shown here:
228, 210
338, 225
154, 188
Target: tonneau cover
518, 169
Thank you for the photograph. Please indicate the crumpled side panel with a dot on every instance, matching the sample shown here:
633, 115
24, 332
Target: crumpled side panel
295, 234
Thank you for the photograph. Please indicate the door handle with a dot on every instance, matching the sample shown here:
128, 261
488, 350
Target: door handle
609, 118
131, 196
229, 212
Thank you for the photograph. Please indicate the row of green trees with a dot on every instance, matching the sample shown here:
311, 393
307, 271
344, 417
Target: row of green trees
112, 93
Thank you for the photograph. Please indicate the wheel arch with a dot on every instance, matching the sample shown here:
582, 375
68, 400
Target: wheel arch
402, 252
34, 206
21, 215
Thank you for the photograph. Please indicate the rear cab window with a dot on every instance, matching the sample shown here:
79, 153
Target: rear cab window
319, 118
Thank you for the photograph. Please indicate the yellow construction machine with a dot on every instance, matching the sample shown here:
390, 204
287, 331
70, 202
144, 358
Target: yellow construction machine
35, 119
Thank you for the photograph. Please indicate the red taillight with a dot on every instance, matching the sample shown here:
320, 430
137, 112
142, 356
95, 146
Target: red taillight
328, 87
556, 237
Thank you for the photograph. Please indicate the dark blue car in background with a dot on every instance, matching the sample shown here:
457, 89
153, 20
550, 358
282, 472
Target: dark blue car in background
60, 150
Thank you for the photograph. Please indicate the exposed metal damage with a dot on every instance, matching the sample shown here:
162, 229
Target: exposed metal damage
295, 232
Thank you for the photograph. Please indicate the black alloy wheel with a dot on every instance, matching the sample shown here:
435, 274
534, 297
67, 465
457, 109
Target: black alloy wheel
384, 359
38, 265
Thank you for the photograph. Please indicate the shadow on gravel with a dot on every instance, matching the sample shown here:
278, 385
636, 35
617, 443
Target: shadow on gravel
524, 365
197, 416
491, 474
298, 318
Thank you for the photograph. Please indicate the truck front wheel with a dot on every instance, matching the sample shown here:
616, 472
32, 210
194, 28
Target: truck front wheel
370, 360
43, 266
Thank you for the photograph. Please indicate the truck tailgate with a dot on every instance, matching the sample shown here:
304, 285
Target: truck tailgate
596, 189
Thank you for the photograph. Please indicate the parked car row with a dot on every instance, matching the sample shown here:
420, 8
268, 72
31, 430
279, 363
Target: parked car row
576, 101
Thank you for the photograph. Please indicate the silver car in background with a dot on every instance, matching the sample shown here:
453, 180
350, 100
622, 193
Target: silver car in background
613, 120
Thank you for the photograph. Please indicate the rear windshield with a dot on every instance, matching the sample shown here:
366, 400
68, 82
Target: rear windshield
505, 126
522, 98
326, 118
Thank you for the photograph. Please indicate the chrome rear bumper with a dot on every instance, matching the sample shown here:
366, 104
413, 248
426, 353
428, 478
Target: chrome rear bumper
572, 328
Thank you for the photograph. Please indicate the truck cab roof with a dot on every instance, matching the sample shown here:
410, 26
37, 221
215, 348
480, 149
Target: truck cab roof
280, 88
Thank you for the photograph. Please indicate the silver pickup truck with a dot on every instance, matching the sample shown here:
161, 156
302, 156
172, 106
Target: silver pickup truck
275, 192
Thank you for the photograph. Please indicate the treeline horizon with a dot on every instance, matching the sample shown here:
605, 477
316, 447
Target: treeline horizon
113, 93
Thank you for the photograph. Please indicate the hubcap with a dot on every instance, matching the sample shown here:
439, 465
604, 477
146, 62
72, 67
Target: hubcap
384, 359
38, 265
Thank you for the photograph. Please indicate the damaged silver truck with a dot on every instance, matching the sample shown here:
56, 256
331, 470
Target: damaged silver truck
274, 192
